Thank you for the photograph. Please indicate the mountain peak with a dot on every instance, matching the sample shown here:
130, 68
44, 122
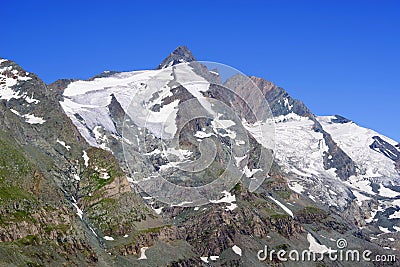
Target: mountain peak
179, 55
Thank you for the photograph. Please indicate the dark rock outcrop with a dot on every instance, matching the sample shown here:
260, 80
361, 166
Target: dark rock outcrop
180, 55
385, 148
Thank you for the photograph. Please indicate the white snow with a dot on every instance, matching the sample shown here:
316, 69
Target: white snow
15, 112
286, 209
79, 212
237, 250
395, 215
214, 72
355, 141
91, 229
158, 210
29, 118
104, 174
360, 197
300, 173
231, 207
142, 253
296, 187
258, 130
6, 92
300, 151
249, 173
238, 160
387, 192
239, 142
85, 158
372, 216
67, 147
214, 258
204, 259
385, 230
286, 102
31, 100
298, 147
101, 139
363, 185
201, 134
183, 203
315, 246
32, 119
229, 199
137, 92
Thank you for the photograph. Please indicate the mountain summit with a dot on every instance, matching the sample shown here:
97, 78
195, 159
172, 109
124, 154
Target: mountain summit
69, 197
179, 55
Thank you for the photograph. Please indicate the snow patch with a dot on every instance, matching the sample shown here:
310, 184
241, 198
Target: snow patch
296, 187
204, 259
237, 250
395, 215
286, 209
67, 147
79, 212
387, 192
158, 210
229, 199
32, 119
214, 258
360, 197
249, 173
315, 246
85, 158
142, 253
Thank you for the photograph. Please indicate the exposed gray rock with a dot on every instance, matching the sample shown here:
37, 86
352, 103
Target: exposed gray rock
180, 55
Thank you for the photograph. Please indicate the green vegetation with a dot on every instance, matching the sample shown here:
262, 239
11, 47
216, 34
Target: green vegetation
312, 210
28, 240
285, 194
154, 230
13, 162
12, 193
59, 228
279, 216
99, 181
220, 172
237, 187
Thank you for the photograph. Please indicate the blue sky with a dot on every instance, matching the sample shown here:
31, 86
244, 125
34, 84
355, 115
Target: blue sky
339, 57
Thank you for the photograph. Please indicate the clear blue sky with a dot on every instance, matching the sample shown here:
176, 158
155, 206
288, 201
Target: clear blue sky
339, 57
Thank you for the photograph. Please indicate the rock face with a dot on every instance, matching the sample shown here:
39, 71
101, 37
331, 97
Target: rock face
385, 148
282, 104
68, 198
180, 55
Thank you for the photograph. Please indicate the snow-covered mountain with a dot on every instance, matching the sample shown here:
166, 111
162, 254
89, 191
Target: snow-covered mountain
330, 160
190, 164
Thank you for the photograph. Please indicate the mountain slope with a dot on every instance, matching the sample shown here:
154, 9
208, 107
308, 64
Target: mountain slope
61, 188
99, 143
310, 158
